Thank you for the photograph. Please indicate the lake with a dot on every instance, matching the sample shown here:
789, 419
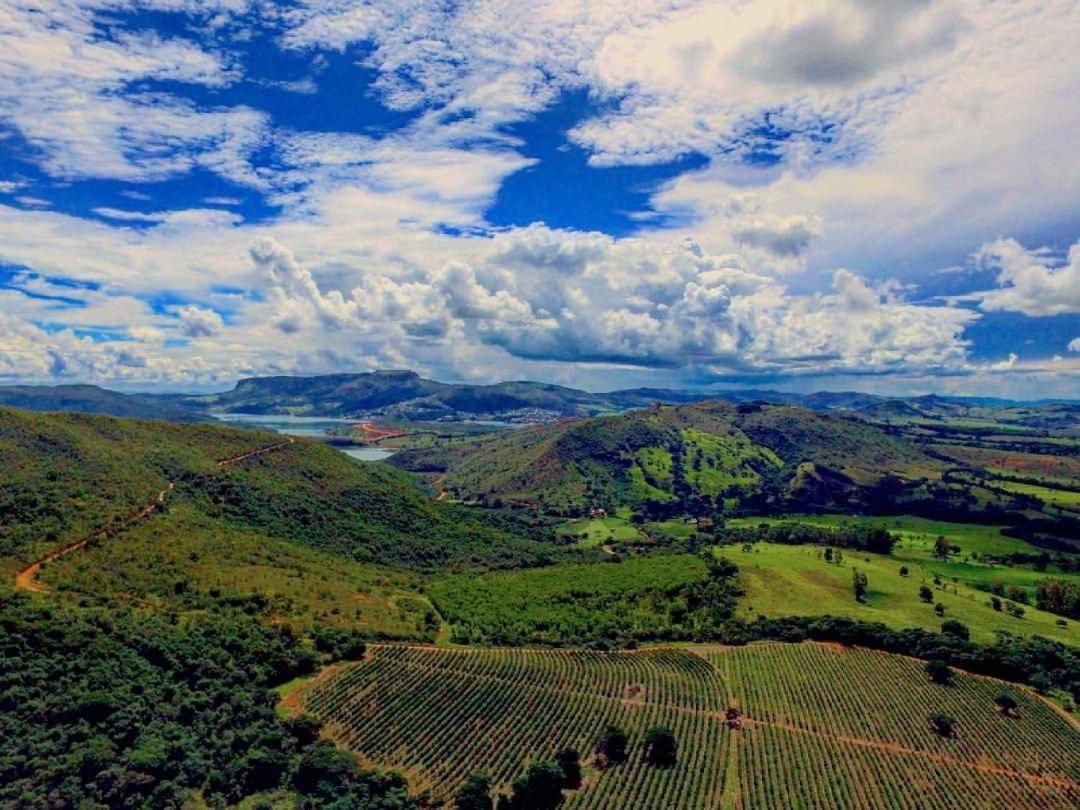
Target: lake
311, 427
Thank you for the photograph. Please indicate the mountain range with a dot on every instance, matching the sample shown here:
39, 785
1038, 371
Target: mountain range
405, 395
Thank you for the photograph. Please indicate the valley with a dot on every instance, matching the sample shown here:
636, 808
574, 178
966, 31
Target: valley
649, 567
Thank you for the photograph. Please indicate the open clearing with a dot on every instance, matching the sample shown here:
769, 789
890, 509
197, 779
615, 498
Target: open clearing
822, 726
781, 580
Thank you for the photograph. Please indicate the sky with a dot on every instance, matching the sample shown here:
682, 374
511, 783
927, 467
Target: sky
877, 195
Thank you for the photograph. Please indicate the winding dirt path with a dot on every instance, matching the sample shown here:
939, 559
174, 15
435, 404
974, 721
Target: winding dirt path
26, 578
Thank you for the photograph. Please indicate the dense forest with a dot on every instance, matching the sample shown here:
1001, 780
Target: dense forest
122, 709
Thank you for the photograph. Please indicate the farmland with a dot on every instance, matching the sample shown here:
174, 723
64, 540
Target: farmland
780, 580
821, 726
977, 548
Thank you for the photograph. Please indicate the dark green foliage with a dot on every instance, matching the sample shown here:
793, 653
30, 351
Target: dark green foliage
955, 628
943, 724
1006, 702
339, 644
1059, 596
539, 789
570, 763
661, 748
926, 594
135, 710
612, 744
658, 597
859, 537
474, 794
939, 672
860, 585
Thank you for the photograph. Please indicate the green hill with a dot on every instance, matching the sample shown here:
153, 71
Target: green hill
314, 535
703, 455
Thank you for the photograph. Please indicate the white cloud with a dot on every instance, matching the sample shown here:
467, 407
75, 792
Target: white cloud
1030, 282
199, 322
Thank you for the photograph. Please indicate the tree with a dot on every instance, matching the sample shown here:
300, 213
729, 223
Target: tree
943, 724
612, 744
539, 789
1016, 593
956, 629
474, 794
939, 609
926, 594
828, 555
860, 584
942, 548
1006, 702
661, 748
939, 672
904, 570
570, 762
995, 603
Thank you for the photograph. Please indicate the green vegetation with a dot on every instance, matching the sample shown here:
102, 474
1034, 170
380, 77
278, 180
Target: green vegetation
186, 560
694, 459
641, 598
781, 580
817, 726
598, 532
979, 556
124, 709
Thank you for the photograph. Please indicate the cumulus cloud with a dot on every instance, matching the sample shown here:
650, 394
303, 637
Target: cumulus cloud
199, 322
1030, 282
546, 295
1074, 345
781, 236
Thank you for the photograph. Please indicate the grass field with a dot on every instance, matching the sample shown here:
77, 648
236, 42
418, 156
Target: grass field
823, 726
916, 547
782, 580
1069, 498
597, 532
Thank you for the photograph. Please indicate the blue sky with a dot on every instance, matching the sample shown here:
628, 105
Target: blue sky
813, 195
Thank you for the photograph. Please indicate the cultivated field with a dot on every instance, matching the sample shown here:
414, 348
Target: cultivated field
822, 726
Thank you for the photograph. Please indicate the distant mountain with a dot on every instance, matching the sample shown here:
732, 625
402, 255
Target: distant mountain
406, 395
709, 453
95, 400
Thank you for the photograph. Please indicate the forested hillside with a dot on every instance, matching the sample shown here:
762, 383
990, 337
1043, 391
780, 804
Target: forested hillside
696, 458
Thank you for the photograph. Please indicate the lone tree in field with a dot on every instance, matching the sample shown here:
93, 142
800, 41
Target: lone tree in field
939, 609
943, 724
1006, 703
474, 794
942, 548
926, 594
939, 672
612, 744
860, 584
904, 571
570, 762
661, 748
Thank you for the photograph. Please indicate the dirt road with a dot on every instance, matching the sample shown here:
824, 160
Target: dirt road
26, 578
